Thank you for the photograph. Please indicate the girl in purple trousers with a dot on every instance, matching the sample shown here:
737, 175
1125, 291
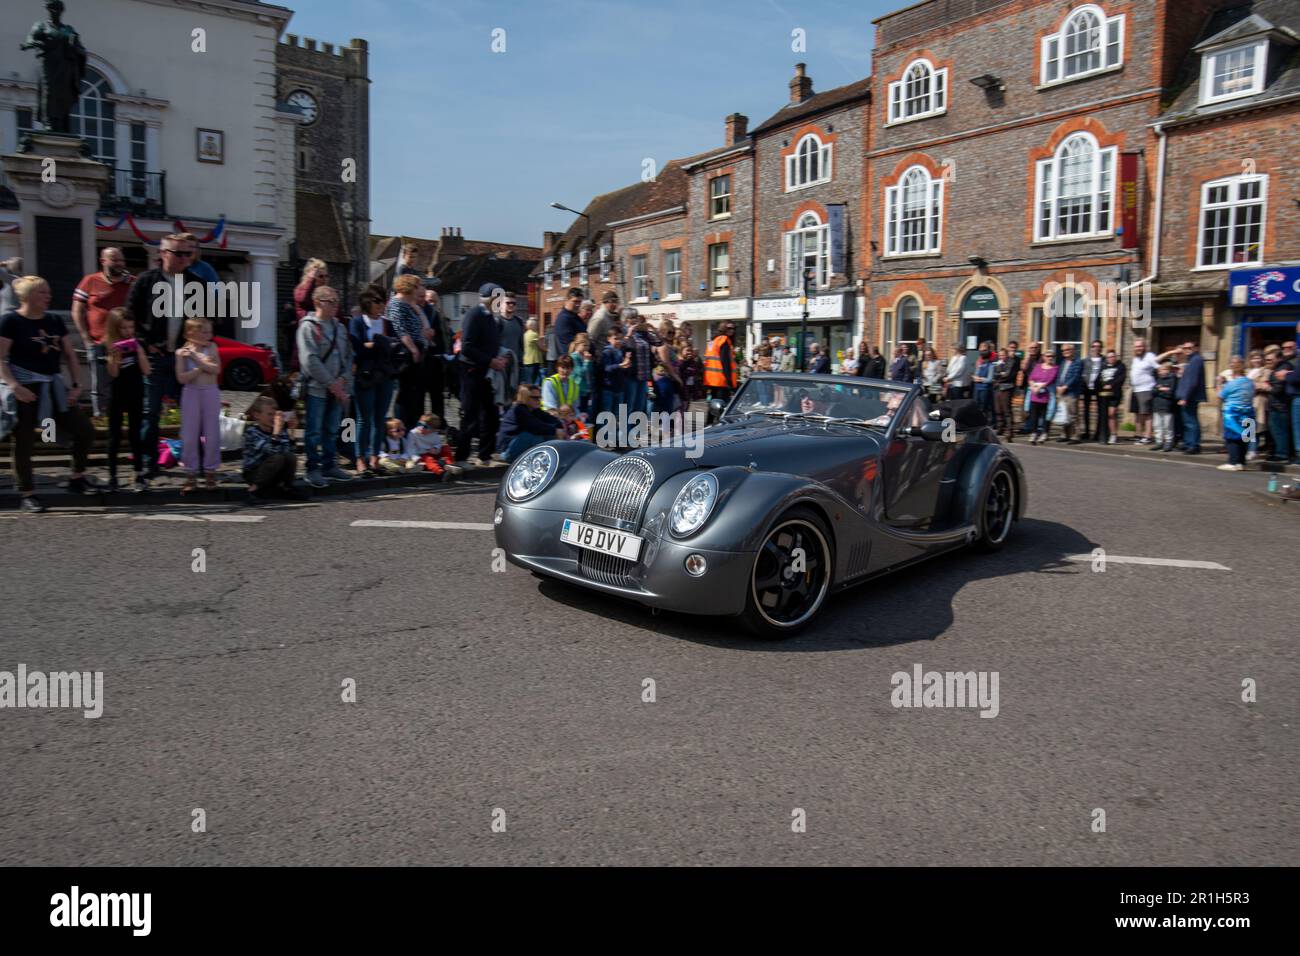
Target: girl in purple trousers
198, 369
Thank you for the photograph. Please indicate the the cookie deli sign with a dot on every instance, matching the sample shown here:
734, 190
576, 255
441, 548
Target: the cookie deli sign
1256, 287
785, 310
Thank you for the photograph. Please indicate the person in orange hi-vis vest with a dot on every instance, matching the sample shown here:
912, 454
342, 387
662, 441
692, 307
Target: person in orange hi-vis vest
720, 373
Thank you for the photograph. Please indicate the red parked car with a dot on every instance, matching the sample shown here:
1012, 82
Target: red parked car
245, 366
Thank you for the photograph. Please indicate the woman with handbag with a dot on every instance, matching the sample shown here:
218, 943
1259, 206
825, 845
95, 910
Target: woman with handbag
1041, 390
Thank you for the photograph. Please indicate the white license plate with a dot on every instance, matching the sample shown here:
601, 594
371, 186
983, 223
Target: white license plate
605, 540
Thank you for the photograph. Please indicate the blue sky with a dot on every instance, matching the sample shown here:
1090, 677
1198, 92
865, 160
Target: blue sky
585, 90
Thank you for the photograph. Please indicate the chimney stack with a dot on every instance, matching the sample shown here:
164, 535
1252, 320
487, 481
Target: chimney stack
451, 241
737, 128
801, 86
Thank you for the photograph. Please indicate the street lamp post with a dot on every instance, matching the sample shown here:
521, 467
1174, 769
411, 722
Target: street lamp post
803, 322
586, 238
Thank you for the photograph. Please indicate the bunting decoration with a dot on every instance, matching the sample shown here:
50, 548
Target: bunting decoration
216, 234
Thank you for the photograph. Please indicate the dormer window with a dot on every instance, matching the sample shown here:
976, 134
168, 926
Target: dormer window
1234, 71
1089, 42
922, 92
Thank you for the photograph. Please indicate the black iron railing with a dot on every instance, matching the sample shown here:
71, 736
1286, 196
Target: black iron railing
139, 193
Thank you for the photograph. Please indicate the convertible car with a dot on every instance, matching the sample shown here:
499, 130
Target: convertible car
805, 484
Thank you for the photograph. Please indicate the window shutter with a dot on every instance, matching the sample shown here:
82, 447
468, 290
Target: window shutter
940, 90
1051, 64
1114, 40
835, 235
891, 220
1104, 177
936, 213
1043, 200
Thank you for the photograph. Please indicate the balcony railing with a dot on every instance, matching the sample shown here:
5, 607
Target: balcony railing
142, 194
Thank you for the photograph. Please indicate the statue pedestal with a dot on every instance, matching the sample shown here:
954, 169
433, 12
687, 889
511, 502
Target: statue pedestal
58, 191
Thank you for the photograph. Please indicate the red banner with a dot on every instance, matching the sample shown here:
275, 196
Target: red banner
1128, 200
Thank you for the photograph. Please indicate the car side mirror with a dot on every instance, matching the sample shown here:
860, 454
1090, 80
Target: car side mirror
716, 407
930, 431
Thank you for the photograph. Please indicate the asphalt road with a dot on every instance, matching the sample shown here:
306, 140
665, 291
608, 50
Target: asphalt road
1119, 690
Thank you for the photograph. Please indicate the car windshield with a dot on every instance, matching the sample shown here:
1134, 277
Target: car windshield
796, 396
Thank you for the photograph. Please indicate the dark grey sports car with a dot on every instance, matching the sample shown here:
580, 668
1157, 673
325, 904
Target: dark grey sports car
805, 485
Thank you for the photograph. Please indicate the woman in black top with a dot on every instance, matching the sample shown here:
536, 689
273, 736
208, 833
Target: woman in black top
32, 347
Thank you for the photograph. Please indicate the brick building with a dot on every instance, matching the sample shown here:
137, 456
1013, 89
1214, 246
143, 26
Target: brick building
1012, 164
718, 287
651, 244
809, 192
669, 245
1230, 248
583, 256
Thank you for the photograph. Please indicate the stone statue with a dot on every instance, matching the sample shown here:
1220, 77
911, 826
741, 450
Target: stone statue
63, 65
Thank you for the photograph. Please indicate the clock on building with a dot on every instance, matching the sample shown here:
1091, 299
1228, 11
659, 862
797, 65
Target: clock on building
305, 102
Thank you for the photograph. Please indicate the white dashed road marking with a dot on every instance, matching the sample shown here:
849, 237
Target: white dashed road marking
1161, 562
445, 525
231, 519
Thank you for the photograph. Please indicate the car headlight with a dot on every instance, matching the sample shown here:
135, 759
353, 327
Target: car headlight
694, 504
531, 473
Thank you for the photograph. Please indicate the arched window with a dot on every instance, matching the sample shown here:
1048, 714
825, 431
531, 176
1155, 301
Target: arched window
1075, 190
93, 118
808, 246
914, 214
1088, 42
908, 326
922, 92
810, 163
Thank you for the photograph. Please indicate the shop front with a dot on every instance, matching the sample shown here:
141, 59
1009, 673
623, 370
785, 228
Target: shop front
830, 323
1265, 306
980, 318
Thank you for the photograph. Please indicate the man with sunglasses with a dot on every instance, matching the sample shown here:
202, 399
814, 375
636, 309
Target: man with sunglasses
159, 322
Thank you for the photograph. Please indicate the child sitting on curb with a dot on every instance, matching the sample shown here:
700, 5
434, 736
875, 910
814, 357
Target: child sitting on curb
269, 462
574, 427
425, 443
395, 450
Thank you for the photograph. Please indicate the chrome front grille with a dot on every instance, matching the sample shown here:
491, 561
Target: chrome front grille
619, 492
607, 568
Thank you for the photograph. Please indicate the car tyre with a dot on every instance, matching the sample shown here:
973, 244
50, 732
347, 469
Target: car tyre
243, 375
997, 511
777, 603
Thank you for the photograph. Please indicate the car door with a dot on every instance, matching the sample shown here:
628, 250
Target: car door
914, 469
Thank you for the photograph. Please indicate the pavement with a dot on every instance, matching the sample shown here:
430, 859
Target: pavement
484, 695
